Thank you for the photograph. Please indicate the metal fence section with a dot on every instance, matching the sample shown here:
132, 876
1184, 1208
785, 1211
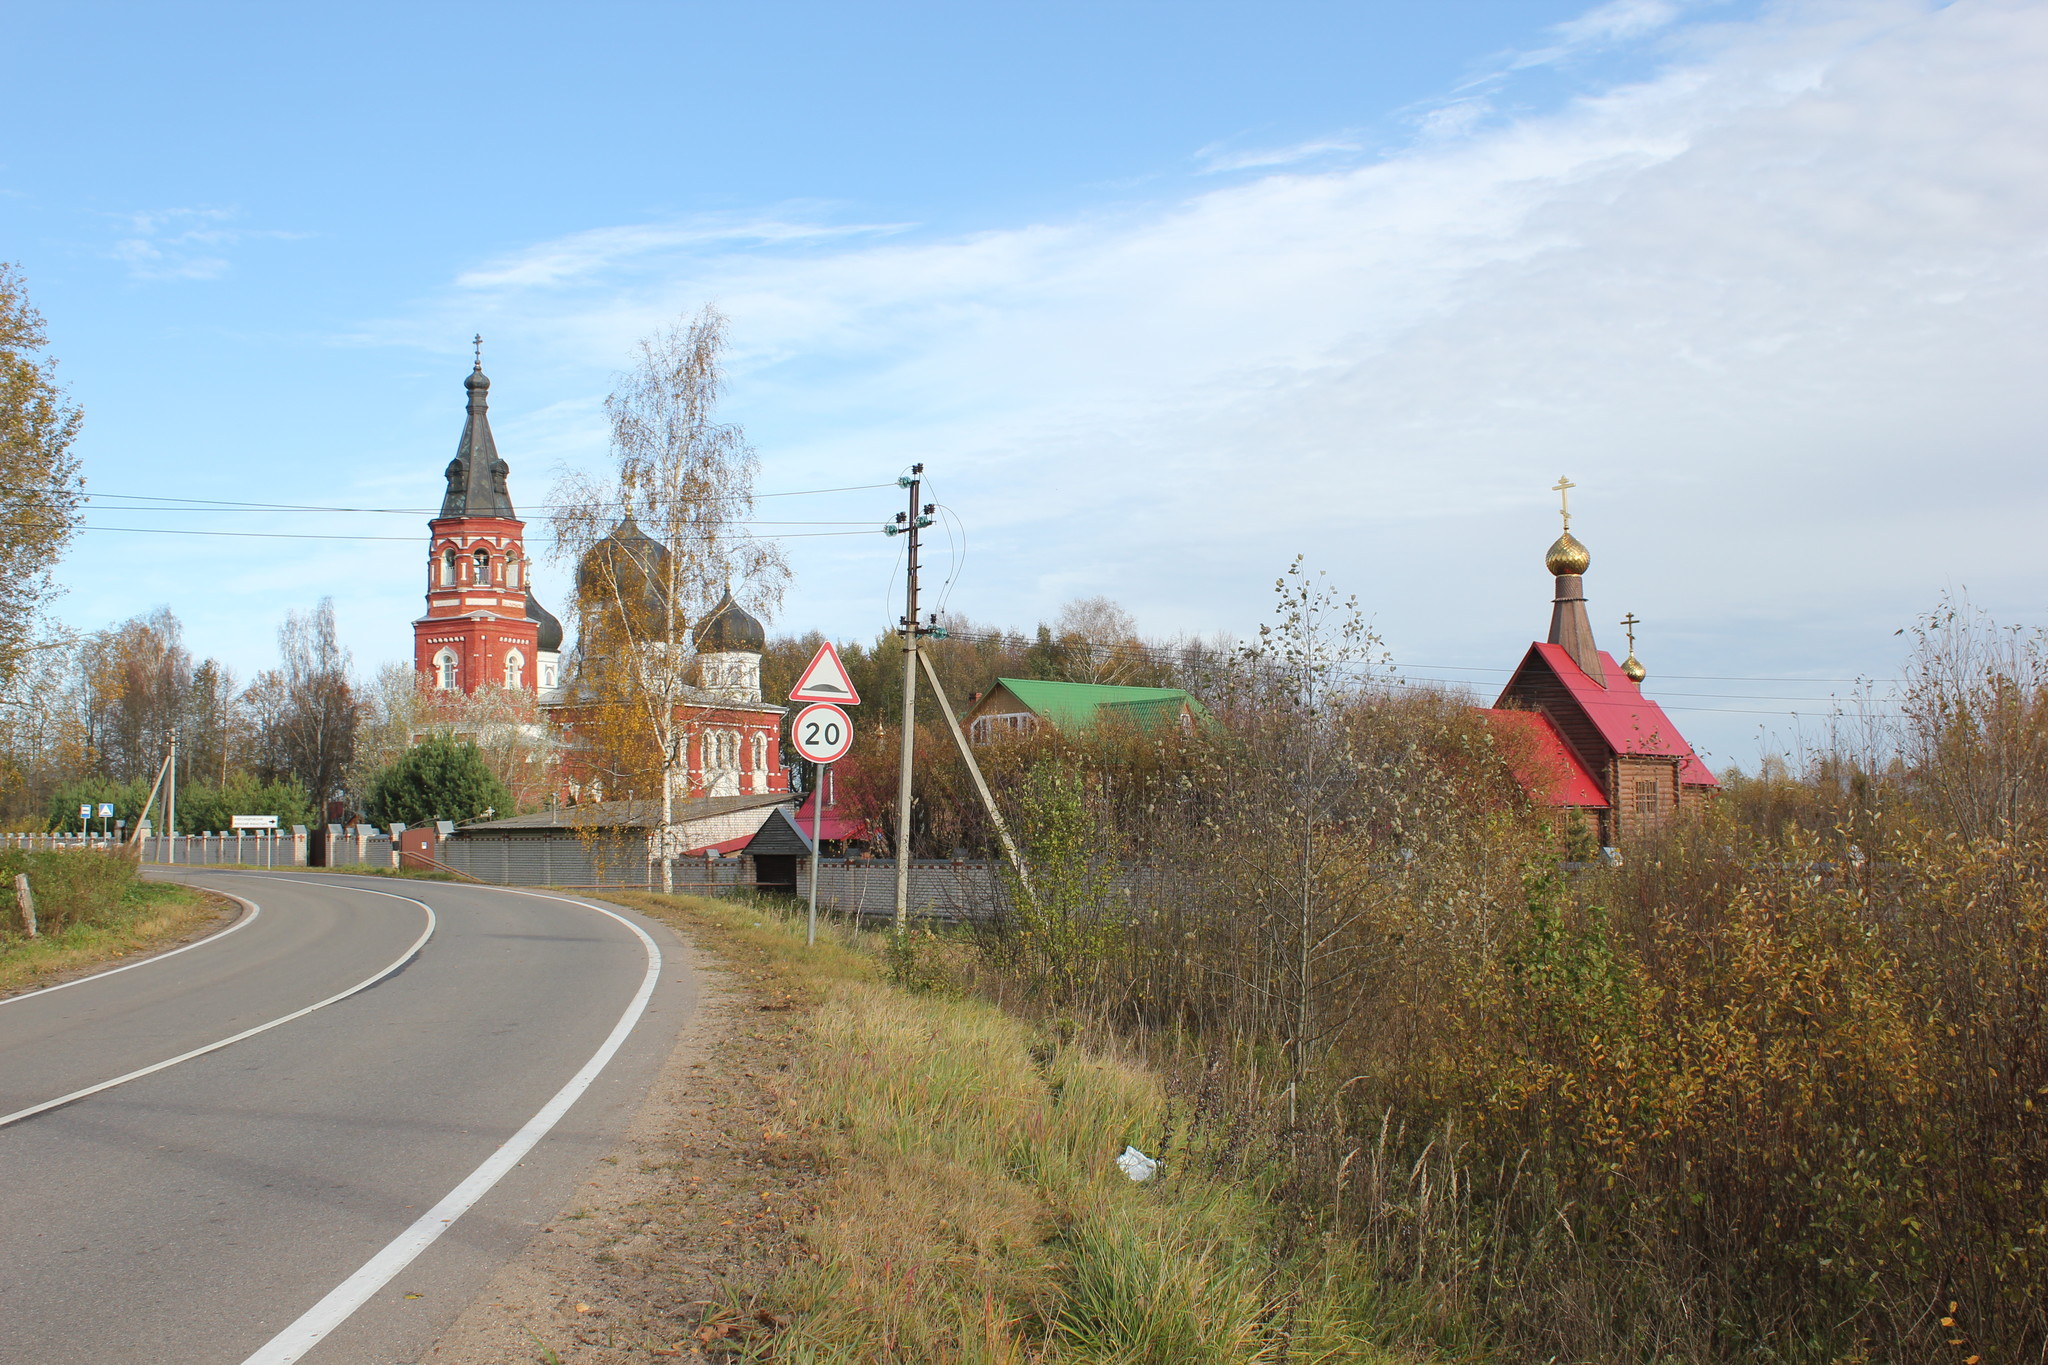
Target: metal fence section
230, 848
55, 843
866, 887
863, 887
565, 860
247, 848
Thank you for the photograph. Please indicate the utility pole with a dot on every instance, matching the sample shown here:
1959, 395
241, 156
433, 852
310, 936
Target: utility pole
171, 801
908, 523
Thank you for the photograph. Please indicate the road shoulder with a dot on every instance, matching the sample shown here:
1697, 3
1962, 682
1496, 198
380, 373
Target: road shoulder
670, 1239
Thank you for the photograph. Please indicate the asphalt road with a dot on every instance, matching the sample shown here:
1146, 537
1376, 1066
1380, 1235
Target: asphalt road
194, 1213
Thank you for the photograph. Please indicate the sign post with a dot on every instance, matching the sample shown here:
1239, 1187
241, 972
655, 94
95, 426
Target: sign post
266, 834
821, 733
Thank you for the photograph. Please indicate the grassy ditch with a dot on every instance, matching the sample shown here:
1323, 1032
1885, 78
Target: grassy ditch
91, 907
974, 1212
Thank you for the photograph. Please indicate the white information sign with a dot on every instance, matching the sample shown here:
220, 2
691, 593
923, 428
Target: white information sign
824, 679
255, 822
821, 732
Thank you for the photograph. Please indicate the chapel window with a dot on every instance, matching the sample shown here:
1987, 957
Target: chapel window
512, 570
448, 567
444, 667
1648, 793
483, 566
515, 669
987, 728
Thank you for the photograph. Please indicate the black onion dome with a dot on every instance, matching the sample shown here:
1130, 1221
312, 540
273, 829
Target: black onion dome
729, 629
550, 628
627, 567
476, 476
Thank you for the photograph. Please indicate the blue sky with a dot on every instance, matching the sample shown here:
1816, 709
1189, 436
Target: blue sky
1163, 294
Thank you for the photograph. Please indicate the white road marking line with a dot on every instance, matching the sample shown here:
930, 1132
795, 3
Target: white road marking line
250, 918
363, 985
352, 1293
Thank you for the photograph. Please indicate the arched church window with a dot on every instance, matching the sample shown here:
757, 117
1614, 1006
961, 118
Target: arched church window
515, 669
444, 670
483, 566
448, 567
760, 746
512, 569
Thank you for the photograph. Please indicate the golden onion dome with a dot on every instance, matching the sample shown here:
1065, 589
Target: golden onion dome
1634, 668
1566, 555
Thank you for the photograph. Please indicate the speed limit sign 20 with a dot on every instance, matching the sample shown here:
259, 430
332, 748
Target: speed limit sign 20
821, 733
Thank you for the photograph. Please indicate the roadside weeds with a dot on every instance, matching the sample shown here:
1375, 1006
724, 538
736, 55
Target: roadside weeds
152, 917
970, 1210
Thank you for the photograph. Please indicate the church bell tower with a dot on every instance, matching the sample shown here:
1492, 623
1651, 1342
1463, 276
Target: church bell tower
482, 627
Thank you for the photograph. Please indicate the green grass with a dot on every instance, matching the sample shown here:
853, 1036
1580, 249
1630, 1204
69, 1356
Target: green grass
973, 1214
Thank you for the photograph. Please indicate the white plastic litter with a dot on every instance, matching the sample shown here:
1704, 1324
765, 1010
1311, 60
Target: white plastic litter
1137, 1165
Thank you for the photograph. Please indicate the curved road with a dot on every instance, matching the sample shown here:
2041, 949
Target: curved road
197, 1212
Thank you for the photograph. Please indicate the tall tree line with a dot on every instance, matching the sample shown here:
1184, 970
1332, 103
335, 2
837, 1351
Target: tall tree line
103, 707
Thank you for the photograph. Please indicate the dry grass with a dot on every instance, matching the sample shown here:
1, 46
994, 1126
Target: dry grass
973, 1213
1773, 1089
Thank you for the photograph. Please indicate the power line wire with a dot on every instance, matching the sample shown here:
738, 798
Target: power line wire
307, 535
226, 504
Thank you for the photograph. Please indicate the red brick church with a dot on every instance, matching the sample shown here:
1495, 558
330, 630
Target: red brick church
1592, 742
483, 628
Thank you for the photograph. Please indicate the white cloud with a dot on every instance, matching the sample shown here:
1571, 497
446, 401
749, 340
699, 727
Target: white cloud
1618, 21
1219, 157
1776, 309
183, 243
583, 255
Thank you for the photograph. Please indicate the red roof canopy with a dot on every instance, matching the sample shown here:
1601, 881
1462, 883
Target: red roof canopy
1547, 767
1628, 721
836, 826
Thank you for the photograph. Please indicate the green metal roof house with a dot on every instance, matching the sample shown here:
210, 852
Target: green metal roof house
1022, 705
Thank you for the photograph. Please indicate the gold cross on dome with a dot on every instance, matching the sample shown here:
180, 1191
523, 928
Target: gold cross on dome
1563, 488
1629, 623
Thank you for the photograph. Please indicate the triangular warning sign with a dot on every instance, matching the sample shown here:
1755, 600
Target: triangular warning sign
825, 679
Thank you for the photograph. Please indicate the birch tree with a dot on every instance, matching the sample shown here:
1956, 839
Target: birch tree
657, 539
40, 485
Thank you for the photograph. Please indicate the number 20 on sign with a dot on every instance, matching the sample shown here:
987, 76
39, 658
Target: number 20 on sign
821, 733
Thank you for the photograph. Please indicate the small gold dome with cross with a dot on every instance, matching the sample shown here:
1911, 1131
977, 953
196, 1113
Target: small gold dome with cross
1566, 555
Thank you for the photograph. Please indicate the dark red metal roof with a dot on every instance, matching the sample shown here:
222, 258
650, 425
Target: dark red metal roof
836, 826
1626, 720
1544, 764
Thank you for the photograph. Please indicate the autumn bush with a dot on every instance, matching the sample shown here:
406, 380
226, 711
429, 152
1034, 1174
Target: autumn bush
1773, 1088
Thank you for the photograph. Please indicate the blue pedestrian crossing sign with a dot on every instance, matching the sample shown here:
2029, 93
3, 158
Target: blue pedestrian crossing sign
106, 810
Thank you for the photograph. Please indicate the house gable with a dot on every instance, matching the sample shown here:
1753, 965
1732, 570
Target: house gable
1077, 706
